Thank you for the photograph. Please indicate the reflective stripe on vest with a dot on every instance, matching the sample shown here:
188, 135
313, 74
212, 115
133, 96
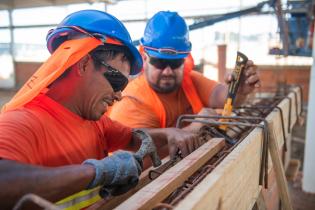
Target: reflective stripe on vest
80, 200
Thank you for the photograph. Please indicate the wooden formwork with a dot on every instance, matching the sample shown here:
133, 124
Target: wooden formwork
234, 183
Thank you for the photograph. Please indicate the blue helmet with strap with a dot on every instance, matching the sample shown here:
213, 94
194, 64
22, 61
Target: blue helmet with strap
166, 36
97, 24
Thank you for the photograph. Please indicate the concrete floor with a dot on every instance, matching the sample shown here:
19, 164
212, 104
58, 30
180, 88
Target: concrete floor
300, 199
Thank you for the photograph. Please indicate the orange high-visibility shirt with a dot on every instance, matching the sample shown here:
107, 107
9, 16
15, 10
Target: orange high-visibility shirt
138, 107
43, 132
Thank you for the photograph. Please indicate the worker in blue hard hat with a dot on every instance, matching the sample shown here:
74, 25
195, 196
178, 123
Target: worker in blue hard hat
168, 87
54, 136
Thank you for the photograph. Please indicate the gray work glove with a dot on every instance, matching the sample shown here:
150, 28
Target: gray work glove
117, 173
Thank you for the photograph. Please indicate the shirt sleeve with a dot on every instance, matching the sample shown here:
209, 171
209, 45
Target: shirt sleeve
18, 137
117, 136
204, 86
134, 113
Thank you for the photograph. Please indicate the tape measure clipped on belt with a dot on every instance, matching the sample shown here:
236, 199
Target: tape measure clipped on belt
237, 73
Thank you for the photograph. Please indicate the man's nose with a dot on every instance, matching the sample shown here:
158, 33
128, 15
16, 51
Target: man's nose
167, 70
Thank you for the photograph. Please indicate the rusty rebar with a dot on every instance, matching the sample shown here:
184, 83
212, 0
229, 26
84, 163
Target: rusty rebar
247, 119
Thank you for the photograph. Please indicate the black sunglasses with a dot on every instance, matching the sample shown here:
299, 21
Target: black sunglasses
116, 79
163, 63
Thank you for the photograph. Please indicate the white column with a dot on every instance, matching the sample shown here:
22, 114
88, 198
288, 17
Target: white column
309, 151
12, 42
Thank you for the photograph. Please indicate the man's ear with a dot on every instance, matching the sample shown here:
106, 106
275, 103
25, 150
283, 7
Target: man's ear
145, 56
82, 64
145, 59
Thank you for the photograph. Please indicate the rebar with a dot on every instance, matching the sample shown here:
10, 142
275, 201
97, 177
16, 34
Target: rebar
243, 121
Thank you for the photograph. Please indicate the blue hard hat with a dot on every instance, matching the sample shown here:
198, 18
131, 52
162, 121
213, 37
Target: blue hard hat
166, 36
95, 23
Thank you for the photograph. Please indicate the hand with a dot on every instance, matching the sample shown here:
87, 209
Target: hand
207, 111
120, 170
181, 140
250, 79
120, 188
196, 126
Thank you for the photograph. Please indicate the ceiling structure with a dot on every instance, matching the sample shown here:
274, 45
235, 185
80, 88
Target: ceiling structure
23, 4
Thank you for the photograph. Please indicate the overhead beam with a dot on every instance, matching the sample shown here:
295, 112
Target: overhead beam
24, 4
196, 18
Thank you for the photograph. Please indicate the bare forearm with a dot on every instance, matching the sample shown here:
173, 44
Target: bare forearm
248, 82
52, 184
239, 100
219, 94
159, 136
177, 140
193, 127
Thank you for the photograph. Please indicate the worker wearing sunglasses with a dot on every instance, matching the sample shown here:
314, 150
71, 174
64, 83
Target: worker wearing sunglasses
61, 110
55, 127
160, 78
161, 64
168, 86
115, 77
166, 74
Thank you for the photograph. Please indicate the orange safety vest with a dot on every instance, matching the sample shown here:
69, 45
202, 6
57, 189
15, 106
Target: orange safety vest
148, 96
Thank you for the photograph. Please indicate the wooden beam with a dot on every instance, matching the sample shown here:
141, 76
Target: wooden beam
279, 170
233, 184
260, 203
160, 188
112, 202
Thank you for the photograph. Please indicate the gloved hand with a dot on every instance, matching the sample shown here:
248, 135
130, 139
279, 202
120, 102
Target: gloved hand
117, 173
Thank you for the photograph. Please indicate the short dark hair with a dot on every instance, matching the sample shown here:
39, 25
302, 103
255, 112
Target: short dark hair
107, 52
104, 52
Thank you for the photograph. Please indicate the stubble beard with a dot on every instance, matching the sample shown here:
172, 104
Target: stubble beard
168, 87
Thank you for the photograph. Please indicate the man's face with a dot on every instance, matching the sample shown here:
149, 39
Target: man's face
100, 85
164, 76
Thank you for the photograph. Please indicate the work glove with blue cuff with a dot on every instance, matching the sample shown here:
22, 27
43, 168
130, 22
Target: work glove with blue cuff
117, 173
